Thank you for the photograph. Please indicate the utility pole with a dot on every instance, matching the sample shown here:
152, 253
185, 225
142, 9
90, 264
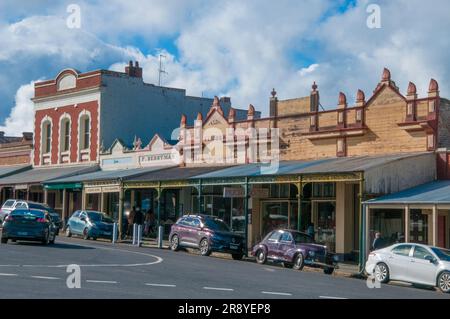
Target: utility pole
161, 70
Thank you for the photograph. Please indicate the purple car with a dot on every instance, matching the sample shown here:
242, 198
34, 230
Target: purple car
206, 233
294, 249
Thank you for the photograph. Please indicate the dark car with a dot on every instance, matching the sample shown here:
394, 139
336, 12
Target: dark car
294, 249
29, 225
90, 224
206, 233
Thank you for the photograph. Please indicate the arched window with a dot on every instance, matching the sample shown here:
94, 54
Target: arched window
46, 137
85, 132
65, 135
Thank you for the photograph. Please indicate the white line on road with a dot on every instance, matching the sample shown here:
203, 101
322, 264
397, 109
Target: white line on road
276, 293
217, 288
331, 297
8, 275
269, 269
161, 285
102, 281
45, 277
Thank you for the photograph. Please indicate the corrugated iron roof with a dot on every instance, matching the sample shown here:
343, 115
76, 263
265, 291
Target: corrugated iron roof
174, 173
437, 192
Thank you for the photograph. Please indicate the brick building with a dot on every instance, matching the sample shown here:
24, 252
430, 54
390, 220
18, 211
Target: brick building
15, 150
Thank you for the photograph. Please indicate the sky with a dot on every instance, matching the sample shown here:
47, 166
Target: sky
235, 48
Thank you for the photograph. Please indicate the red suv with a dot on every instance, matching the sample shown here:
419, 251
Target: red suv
206, 233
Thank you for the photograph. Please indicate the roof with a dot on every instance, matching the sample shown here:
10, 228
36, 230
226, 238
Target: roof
437, 192
330, 165
9, 170
39, 175
174, 173
104, 175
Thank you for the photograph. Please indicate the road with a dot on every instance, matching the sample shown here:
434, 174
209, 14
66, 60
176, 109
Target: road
29, 270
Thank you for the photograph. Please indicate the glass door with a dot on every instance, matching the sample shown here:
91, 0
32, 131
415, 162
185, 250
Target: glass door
325, 227
418, 227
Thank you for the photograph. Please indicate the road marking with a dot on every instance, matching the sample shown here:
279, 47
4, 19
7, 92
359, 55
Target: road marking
276, 293
8, 275
269, 269
161, 285
331, 297
45, 277
217, 288
102, 281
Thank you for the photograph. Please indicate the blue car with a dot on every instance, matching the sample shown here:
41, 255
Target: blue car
90, 224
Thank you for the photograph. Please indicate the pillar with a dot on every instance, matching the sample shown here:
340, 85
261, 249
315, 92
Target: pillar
246, 210
83, 199
435, 226
344, 218
102, 202
121, 200
407, 223
159, 206
199, 198
299, 205
45, 195
64, 205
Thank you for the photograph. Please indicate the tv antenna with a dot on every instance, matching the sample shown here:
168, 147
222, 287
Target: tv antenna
161, 71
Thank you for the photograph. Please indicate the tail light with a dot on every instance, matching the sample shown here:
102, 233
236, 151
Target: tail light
372, 255
41, 220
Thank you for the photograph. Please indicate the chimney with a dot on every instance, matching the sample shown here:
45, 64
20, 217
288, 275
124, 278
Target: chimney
273, 104
314, 98
27, 136
133, 70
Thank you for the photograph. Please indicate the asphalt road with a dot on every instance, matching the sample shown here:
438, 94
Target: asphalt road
29, 270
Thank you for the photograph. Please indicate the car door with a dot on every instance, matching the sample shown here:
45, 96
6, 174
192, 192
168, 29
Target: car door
81, 222
272, 245
72, 223
285, 244
422, 270
189, 237
399, 261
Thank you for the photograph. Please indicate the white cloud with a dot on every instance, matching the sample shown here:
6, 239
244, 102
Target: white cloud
22, 114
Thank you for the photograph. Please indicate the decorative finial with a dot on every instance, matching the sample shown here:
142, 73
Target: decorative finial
199, 117
274, 93
314, 86
360, 96
434, 86
251, 110
342, 99
386, 75
183, 120
412, 88
216, 101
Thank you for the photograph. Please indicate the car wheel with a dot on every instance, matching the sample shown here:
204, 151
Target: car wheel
174, 243
4, 240
287, 265
261, 257
85, 234
299, 262
205, 250
381, 272
444, 282
68, 232
53, 239
46, 239
328, 270
237, 256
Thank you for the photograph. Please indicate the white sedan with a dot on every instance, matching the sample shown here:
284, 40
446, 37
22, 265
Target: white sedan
413, 263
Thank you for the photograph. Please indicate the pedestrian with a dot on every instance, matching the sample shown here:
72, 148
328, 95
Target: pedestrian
130, 219
149, 222
138, 216
310, 231
377, 242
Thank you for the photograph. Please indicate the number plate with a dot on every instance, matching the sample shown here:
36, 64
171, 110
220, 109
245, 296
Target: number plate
234, 246
22, 233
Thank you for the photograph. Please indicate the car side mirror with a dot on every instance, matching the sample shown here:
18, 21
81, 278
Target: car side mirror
430, 258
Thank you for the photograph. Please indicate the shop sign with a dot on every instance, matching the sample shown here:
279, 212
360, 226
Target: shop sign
93, 190
21, 186
238, 192
111, 189
145, 159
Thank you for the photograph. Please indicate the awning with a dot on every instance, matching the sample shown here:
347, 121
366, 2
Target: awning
173, 173
37, 176
437, 192
13, 169
64, 186
102, 175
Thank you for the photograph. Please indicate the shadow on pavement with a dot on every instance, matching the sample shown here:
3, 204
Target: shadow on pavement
62, 246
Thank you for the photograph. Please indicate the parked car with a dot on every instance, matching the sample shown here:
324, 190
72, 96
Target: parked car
7, 207
294, 249
12, 204
206, 233
413, 263
90, 224
30, 225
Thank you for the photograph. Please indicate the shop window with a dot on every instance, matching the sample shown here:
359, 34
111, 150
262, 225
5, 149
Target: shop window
324, 190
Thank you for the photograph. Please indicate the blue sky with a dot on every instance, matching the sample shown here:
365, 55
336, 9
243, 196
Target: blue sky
241, 49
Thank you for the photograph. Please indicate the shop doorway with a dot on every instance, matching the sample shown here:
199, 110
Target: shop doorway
324, 219
418, 226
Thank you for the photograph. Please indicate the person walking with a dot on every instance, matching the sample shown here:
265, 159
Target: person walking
138, 216
149, 222
377, 242
130, 219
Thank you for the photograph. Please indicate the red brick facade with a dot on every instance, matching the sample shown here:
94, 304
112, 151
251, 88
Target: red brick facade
74, 113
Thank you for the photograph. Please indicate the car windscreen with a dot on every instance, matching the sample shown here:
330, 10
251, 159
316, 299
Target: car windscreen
99, 217
302, 238
443, 254
216, 224
8, 204
28, 213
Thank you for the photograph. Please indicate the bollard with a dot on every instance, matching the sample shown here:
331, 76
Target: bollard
139, 235
134, 234
160, 236
114, 234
